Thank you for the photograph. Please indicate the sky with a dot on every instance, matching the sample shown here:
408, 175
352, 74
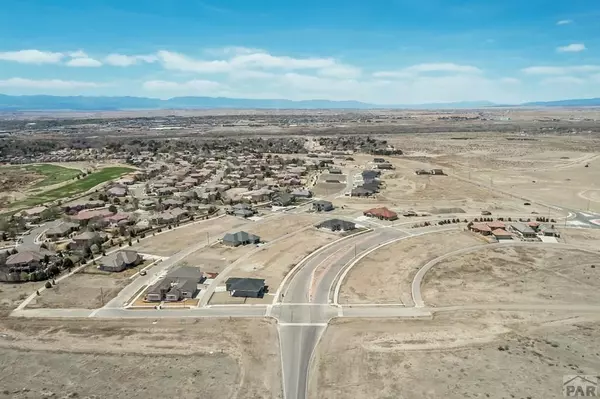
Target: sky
379, 51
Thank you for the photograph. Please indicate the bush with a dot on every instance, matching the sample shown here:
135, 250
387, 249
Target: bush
48, 285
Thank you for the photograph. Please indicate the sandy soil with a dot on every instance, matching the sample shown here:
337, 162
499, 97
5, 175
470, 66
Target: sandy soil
167, 244
385, 275
81, 290
274, 262
581, 237
11, 295
278, 226
515, 275
100, 359
216, 257
455, 356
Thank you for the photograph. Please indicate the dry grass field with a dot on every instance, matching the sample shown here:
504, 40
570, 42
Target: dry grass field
169, 243
515, 275
208, 358
385, 275
455, 356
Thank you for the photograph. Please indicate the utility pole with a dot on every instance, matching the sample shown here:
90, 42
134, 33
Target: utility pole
354, 251
101, 297
207, 238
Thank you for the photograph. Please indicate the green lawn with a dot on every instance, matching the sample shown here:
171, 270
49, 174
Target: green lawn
53, 174
71, 189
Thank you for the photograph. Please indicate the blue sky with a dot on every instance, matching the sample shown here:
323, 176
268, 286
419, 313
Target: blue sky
382, 51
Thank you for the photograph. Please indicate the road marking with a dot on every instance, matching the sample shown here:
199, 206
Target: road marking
303, 324
299, 304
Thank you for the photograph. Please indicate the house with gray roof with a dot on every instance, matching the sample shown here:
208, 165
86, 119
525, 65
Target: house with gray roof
172, 290
337, 225
187, 272
240, 238
523, 230
322, 206
246, 287
120, 260
61, 230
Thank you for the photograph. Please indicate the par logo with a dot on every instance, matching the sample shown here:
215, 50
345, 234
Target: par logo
580, 386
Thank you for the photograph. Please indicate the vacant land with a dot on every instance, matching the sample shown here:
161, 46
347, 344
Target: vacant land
209, 358
78, 187
515, 275
40, 175
81, 290
581, 237
385, 275
272, 228
170, 242
455, 356
216, 257
12, 294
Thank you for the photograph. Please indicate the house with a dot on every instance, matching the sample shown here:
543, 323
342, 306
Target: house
335, 171
385, 165
85, 216
496, 225
481, 228
117, 219
534, 225
361, 192
86, 240
437, 172
147, 204
187, 272
301, 193
172, 290
263, 194
337, 225
33, 214
370, 176
378, 160
523, 230
245, 287
382, 213
240, 238
171, 216
172, 203
549, 231
25, 261
117, 191
322, 206
120, 260
502, 234
283, 199
61, 230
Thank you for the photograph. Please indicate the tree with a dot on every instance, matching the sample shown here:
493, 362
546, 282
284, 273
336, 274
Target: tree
112, 209
48, 284
130, 243
44, 246
67, 263
116, 201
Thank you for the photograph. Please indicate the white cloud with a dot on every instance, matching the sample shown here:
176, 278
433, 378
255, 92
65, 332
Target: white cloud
47, 84
196, 86
78, 54
571, 48
563, 80
180, 62
32, 57
86, 62
442, 67
341, 71
564, 22
555, 70
128, 60
393, 74
510, 80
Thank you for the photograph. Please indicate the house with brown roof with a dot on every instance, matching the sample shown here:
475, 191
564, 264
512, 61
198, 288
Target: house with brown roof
120, 260
481, 228
501, 234
382, 213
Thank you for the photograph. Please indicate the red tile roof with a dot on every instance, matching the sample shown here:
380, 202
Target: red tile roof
501, 233
496, 225
381, 212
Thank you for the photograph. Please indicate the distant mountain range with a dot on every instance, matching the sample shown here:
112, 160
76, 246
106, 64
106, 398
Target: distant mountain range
89, 103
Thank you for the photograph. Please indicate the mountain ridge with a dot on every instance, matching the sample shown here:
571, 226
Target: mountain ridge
10, 103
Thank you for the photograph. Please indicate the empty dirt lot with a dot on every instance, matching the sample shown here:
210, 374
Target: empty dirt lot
515, 275
385, 275
100, 359
167, 244
81, 290
455, 355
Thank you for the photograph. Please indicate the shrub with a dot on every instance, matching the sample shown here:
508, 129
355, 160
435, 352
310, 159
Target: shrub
48, 285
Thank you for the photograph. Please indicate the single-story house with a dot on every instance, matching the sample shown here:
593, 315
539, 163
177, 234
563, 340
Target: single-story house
322, 206
283, 199
147, 204
188, 273
481, 228
496, 225
243, 213
385, 165
61, 230
86, 239
240, 238
437, 172
337, 225
361, 192
335, 171
172, 290
120, 260
33, 214
172, 203
86, 216
117, 191
246, 287
523, 230
301, 193
549, 231
25, 260
502, 234
382, 213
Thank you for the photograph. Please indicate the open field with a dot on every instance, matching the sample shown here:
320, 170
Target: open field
514, 275
270, 229
581, 237
71, 189
455, 356
12, 294
168, 243
216, 257
81, 290
41, 175
206, 358
385, 275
